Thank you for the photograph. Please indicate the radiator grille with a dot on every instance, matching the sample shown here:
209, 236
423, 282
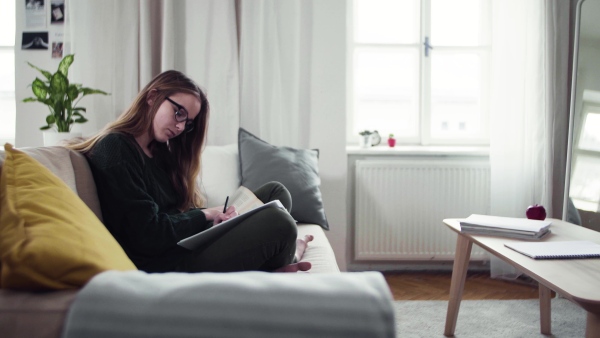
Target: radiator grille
400, 206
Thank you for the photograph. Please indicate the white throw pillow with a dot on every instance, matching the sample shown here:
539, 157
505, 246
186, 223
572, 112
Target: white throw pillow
220, 175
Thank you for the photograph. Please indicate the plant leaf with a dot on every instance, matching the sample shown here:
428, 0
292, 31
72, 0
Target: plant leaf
45, 128
59, 109
65, 63
59, 84
39, 89
47, 102
81, 120
31, 99
89, 91
46, 73
50, 119
72, 92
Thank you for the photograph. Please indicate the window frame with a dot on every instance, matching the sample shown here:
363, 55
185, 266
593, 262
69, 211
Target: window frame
590, 105
9, 94
424, 135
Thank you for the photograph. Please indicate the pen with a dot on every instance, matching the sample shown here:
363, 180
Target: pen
225, 206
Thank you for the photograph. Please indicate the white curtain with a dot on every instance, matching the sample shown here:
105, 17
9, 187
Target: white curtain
525, 73
130, 42
275, 56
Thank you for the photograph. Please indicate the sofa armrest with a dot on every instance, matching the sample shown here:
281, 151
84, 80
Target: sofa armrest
245, 304
34, 314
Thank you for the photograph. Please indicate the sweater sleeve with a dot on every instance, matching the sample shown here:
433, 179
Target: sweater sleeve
134, 199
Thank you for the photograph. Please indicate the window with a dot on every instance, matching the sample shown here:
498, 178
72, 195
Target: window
420, 69
585, 180
7, 72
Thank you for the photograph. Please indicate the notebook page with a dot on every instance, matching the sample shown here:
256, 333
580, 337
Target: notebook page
557, 250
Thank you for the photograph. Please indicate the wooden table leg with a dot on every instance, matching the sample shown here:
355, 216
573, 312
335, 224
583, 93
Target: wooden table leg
592, 328
457, 284
545, 302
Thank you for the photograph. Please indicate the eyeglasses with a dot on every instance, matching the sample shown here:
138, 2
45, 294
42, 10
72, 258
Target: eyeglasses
181, 115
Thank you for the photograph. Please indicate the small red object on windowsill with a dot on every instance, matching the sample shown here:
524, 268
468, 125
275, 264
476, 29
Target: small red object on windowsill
391, 141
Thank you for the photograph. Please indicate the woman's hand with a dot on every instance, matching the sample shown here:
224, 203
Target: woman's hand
217, 215
221, 217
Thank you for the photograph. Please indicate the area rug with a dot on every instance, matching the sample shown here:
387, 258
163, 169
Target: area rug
488, 318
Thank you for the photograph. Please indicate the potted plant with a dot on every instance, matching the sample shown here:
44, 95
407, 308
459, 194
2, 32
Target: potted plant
61, 97
391, 141
369, 138
365, 139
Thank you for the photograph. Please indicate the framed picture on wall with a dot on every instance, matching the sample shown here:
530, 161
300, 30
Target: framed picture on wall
57, 11
35, 40
35, 13
57, 50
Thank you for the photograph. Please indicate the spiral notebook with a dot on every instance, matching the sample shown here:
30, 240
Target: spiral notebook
557, 250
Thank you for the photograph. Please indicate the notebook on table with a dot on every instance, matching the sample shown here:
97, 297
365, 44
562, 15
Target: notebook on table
557, 250
521, 228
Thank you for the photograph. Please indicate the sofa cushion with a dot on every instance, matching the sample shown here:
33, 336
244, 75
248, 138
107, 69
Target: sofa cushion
220, 173
319, 251
71, 167
297, 169
84, 180
49, 238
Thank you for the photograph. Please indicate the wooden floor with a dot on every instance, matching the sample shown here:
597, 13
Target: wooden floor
436, 286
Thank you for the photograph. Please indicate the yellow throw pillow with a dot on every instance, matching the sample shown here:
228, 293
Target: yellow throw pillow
49, 238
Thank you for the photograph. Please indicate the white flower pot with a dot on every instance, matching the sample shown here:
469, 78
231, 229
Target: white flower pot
365, 141
54, 138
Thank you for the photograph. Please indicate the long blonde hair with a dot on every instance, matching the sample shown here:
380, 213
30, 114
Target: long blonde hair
182, 153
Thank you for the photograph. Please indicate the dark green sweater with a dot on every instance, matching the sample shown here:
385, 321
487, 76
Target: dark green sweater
139, 204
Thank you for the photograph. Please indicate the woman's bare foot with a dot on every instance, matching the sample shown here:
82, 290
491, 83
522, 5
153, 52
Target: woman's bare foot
301, 245
295, 267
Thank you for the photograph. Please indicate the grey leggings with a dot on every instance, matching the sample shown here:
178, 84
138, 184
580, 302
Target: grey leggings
264, 241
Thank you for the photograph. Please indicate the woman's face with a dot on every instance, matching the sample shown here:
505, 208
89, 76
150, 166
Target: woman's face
165, 125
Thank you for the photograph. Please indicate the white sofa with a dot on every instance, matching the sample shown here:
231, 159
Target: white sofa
324, 302
221, 176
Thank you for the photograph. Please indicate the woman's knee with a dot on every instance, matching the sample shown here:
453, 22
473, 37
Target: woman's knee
275, 191
280, 222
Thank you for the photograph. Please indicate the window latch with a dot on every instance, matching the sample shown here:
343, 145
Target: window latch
427, 46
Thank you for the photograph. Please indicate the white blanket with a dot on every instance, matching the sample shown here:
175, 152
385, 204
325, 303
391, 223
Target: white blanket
246, 304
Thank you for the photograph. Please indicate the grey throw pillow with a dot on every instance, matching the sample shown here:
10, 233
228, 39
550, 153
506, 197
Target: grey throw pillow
297, 169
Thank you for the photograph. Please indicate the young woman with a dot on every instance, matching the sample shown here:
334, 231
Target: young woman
145, 166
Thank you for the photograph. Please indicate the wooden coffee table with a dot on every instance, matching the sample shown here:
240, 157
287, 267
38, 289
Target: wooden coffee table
575, 279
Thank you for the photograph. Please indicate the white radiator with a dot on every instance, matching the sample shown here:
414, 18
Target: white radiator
400, 205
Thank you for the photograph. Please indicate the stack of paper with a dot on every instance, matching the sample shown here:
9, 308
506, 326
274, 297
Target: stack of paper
505, 226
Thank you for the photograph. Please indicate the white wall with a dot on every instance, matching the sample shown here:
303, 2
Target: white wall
328, 120
31, 116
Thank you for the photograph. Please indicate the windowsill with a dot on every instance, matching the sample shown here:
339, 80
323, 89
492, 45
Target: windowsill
385, 150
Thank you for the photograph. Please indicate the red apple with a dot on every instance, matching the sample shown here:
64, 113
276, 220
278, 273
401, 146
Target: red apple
391, 142
536, 211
